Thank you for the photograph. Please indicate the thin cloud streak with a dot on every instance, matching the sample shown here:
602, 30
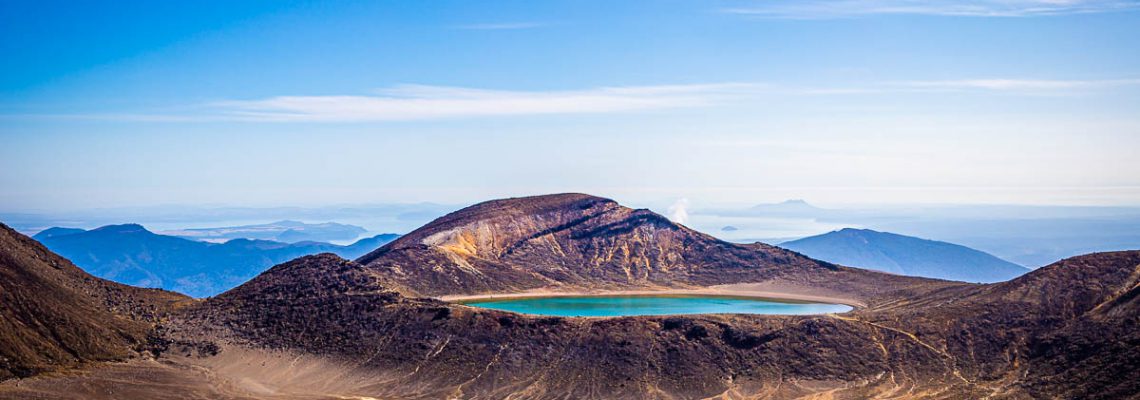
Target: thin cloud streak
426, 102
822, 9
1018, 84
423, 102
416, 102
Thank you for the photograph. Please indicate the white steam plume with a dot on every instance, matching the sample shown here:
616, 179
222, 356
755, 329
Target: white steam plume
679, 211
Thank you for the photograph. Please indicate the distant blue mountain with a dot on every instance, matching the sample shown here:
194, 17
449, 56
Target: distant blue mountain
132, 255
53, 232
905, 255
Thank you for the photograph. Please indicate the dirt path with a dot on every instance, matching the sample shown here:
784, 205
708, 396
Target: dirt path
952, 364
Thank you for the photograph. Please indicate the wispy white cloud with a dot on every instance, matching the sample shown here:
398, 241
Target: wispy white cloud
500, 26
417, 102
425, 102
421, 102
826, 9
1018, 84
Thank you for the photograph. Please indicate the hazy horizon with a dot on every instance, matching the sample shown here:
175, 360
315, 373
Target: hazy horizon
1028, 235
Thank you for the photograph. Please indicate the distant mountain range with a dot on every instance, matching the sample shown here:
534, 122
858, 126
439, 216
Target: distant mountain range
133, 255
281, 231
905, 255
395, 217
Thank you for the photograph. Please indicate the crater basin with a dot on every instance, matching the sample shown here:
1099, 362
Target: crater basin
618, 306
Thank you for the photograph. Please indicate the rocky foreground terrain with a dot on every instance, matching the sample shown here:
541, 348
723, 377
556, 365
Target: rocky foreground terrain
325, 327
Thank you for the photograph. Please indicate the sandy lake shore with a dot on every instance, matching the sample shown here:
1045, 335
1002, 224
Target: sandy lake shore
762, 290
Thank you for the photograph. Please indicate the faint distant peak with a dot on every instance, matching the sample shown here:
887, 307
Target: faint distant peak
788, 203
793, 206
121, 228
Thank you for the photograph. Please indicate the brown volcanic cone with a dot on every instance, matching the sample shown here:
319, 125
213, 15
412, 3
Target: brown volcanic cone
54, 315
576, 242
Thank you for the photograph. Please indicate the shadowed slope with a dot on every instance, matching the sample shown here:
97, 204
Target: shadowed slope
54, 315
1095, 353
1064, 330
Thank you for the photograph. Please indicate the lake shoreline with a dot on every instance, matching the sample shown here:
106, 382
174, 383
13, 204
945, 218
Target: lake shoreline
758, 291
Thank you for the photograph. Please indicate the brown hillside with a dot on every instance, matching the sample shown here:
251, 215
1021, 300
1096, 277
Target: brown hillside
581, 242
54, 315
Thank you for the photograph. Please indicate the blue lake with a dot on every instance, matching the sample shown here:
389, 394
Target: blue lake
616, 306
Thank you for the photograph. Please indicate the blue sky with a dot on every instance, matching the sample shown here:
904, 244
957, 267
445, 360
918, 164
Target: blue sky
722, 102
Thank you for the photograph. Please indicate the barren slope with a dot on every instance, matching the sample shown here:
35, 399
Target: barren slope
54, 315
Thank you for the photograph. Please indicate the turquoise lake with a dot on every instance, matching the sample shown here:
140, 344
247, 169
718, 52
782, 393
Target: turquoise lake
617, 306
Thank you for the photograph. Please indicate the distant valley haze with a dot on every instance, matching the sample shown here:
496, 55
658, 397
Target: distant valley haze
133, 255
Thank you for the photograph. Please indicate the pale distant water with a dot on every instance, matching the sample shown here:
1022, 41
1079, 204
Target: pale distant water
616, 306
